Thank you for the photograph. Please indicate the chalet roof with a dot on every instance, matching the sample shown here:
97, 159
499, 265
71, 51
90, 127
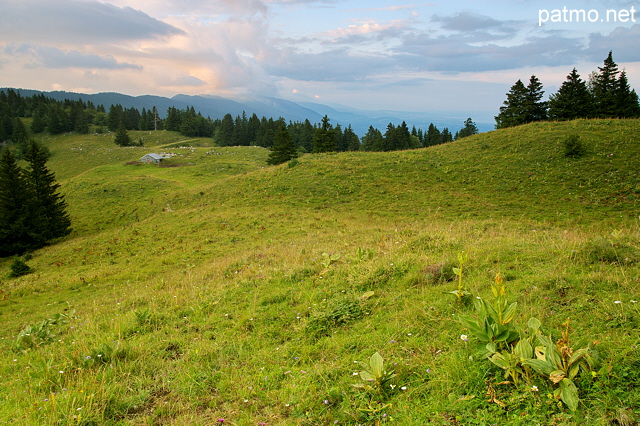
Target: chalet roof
155, 156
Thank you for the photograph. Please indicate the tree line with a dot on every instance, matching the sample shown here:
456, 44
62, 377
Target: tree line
606, 94
79, 116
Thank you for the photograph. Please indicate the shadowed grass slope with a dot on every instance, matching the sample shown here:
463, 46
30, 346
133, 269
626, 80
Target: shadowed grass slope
220, 288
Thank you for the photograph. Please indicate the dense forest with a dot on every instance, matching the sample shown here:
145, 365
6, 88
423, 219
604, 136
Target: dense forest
606, 94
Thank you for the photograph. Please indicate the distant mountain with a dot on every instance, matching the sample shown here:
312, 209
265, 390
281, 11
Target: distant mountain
263, 106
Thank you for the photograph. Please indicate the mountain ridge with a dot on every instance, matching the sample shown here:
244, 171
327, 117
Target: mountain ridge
215, 106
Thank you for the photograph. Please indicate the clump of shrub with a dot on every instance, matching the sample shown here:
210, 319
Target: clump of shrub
440, 273
573, 147
19, 268
336, 313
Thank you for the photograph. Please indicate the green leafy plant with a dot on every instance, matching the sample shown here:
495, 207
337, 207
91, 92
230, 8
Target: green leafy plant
363, 254
494, 322
40, 333
461, 294
512, 360
561, 363
376, 381
330, 259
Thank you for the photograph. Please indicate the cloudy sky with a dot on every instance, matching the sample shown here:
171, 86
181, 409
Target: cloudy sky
437, 55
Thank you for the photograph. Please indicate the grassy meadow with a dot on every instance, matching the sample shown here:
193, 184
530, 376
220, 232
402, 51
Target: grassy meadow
219, 290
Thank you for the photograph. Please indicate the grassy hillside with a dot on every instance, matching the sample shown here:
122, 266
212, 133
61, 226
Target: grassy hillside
220, 288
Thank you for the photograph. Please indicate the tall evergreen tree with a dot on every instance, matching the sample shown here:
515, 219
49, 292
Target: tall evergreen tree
49, 215
115, 117
433, 136
446, 135
351, 140
536, 108
226, 134
572, 100
122, 138
173, 120
338, 137
626, 99
469, 129
283, 148
373, 140
523, 104
403, 136
605, 88
38, 124
324, 137
16, 228
512, 113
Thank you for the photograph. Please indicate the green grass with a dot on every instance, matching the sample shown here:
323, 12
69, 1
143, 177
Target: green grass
204, 291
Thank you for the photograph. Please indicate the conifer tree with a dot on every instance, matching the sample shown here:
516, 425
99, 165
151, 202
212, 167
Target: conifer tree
433, 136
226, 133
373, 140
403, 137
605, 88
626, 99
536, 108
49, 217
173, 120
122, 138
523, 104
324, 138
469, 129
512, 113
446, 135
38, 123
572, 100
16, 228
283, 148
351, 140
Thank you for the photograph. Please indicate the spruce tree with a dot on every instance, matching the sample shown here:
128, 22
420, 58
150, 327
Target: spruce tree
283, 148
536, 108
49, 215
173, 120
324, 138
122, 138
226, 133
433, 136
513, 111
446, 135
469, 129
605, 88
523, 104
626, 99
573, 99
373, 140
38, 124
352, 141
16, 227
